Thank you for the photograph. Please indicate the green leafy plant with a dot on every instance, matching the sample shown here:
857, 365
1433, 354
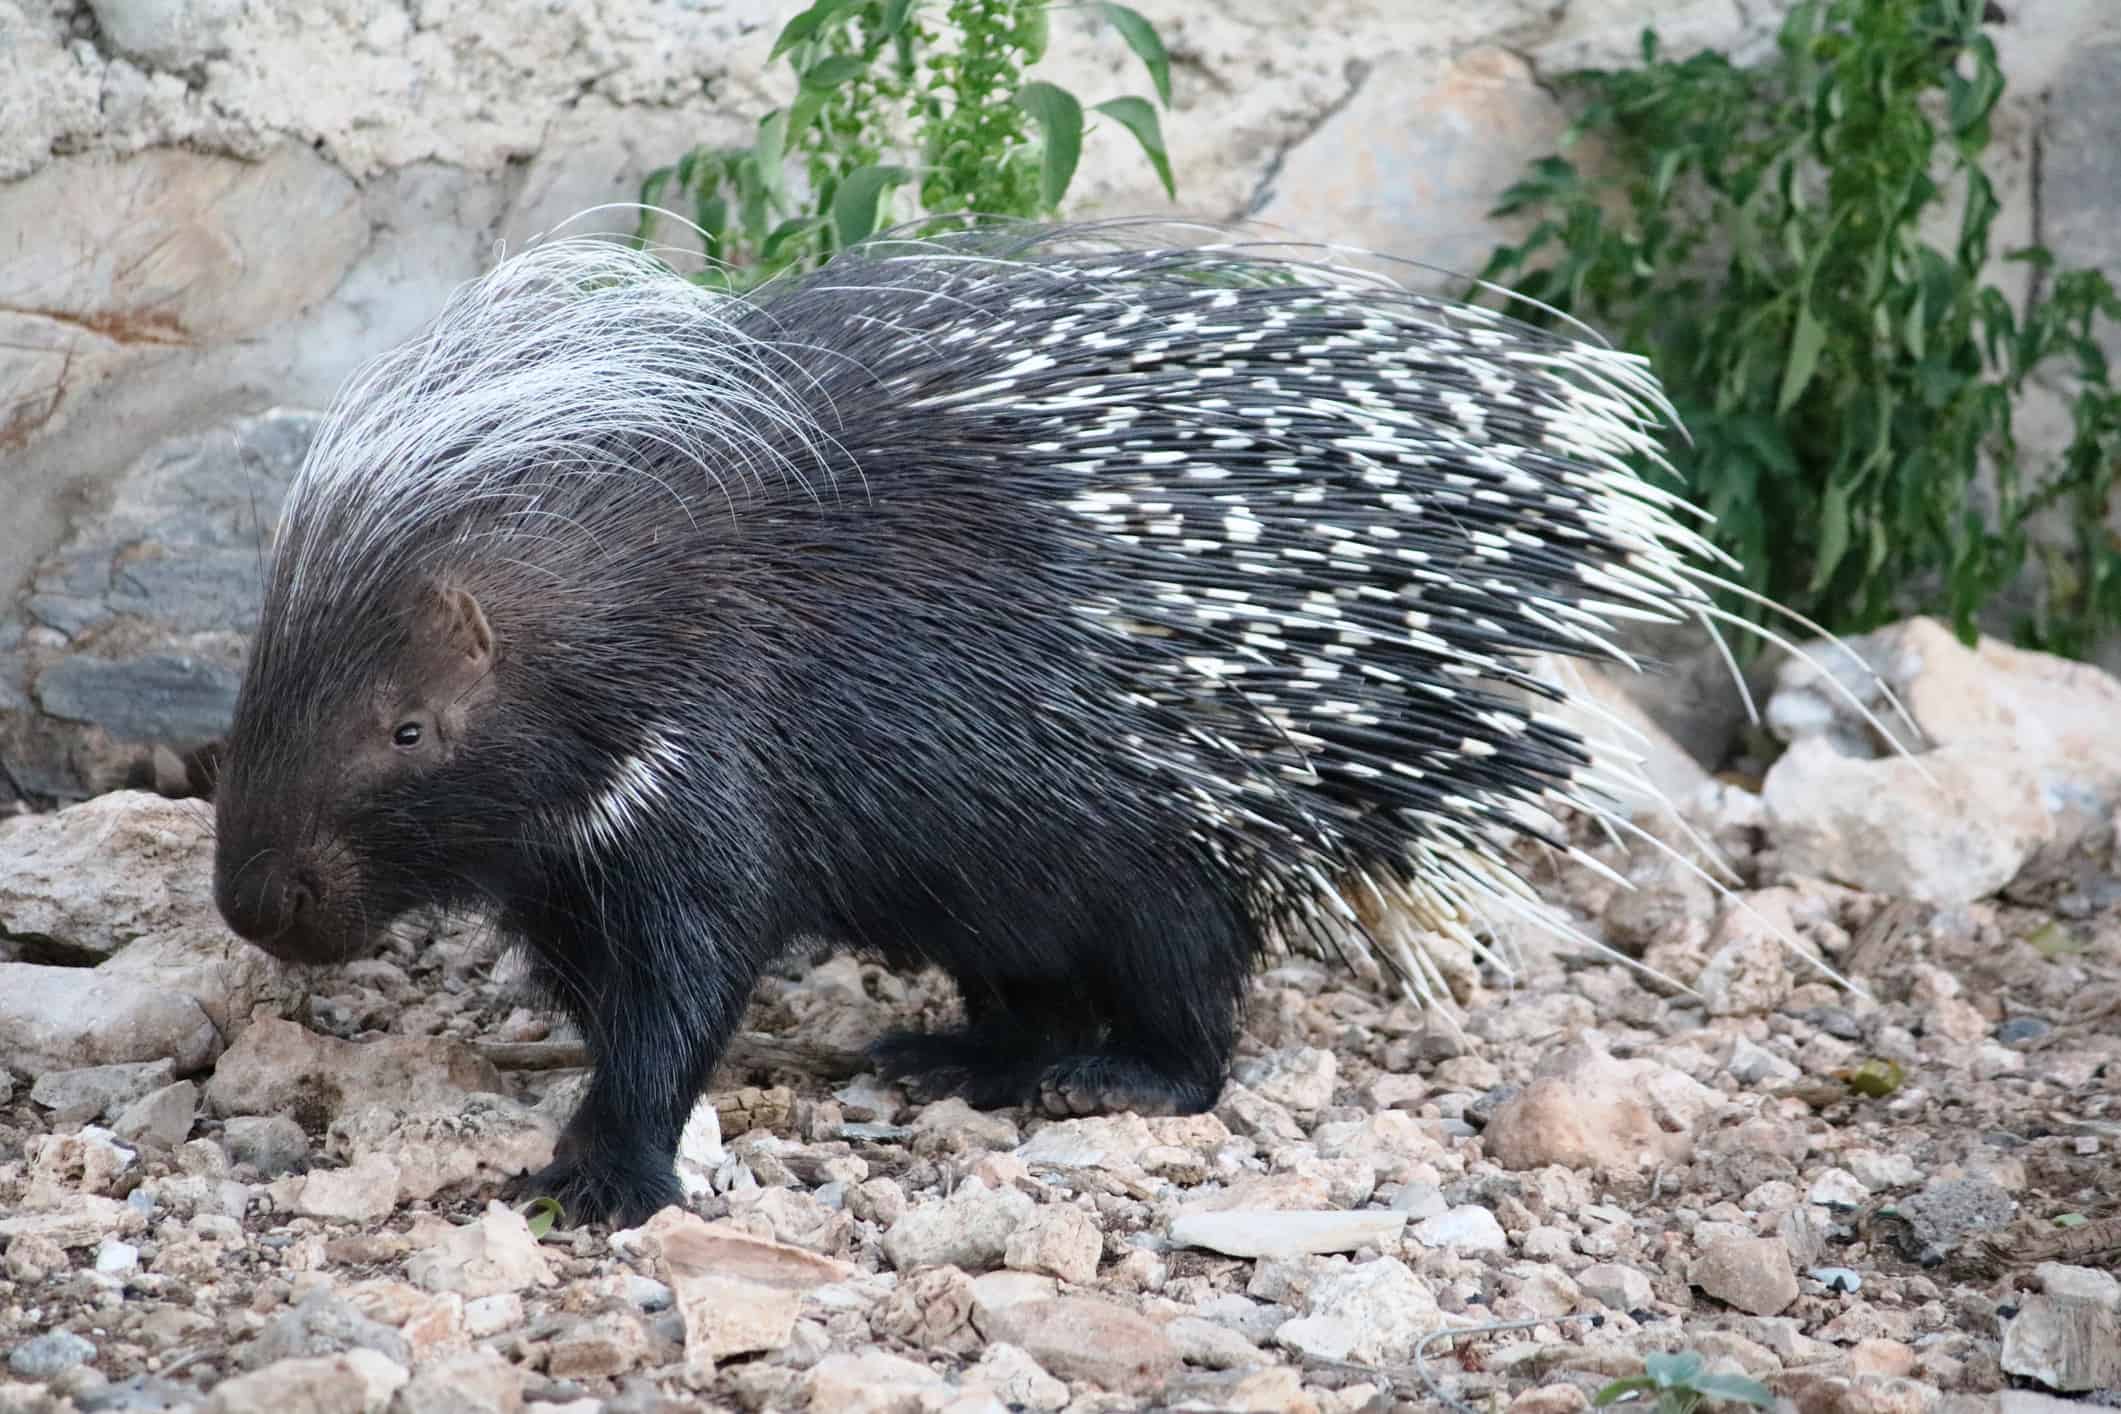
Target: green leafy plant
1757, 232
542, 1215
894, 102
1681, 1383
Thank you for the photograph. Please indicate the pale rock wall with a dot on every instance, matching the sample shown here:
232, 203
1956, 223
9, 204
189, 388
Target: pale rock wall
210, 208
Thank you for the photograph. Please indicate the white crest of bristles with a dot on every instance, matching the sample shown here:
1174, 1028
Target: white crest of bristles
521, 389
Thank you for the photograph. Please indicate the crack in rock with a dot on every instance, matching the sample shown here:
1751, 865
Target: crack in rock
159, 330
1358, 73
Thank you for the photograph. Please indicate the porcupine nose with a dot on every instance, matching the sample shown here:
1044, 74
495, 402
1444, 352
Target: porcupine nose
267, 900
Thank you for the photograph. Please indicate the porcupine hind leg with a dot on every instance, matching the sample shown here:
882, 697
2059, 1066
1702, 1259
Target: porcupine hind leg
1168, 999
1013, 1031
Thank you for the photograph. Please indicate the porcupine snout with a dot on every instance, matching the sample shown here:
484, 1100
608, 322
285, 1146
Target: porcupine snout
269, 900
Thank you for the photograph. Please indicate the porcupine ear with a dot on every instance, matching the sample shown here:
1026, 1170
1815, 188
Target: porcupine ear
449, 621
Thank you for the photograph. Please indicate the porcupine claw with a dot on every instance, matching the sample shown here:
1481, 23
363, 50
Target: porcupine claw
589, 1191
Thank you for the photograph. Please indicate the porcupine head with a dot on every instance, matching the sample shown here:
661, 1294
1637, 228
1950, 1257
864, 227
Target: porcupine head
433, 693
398, 745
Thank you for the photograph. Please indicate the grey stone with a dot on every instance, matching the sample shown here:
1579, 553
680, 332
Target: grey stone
79, 574
320, 1326
106, 1088
214, 589
1616, 1286
271, 1144
142, 1394
70, 614
1420, 144
969, 1229
159, 588
1465, 1228
168, 34
1928, 1225
1371, 1313
1753, 1274
41, 1357
163, 1118
1239, 1233
1094, 1341
96, 878
57, 1018
154, 697
2065, 1343
2080, 1283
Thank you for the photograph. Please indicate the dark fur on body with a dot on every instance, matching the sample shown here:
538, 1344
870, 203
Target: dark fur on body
878, 722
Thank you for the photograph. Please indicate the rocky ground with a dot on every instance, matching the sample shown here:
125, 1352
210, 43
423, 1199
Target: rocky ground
225, 1186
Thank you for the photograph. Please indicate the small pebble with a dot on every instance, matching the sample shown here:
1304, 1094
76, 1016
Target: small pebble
1838, 1022
44, 1356
2023, 1028
1467, 1228
115, 1256
1837, 1188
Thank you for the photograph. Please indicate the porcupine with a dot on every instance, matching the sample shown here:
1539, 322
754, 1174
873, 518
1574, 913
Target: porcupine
1084, 614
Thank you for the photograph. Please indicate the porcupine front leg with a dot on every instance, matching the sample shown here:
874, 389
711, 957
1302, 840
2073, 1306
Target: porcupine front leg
655, 1022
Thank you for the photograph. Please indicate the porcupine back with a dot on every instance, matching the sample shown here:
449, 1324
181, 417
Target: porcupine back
1080, 613
1315, 524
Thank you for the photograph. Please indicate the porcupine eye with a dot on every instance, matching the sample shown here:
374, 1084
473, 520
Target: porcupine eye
406, 736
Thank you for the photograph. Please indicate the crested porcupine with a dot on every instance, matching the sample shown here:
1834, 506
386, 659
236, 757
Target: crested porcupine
1083, 615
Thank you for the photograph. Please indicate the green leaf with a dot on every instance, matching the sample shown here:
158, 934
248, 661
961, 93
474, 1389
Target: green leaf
770, 249
1667, 168
1032, 32
895, 16
1672, 1371
711, 214
1137, 116
541, 1213
1833, 536
1805, 346
1734, 1387
1618, 1388
1060, 120
802, 113
829, 73
651, 198
856, 204
771, 148
1142, 38
804, 26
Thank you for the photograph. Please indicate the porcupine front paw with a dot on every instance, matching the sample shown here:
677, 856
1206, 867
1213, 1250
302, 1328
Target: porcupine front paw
595, 1186
1087, 1085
